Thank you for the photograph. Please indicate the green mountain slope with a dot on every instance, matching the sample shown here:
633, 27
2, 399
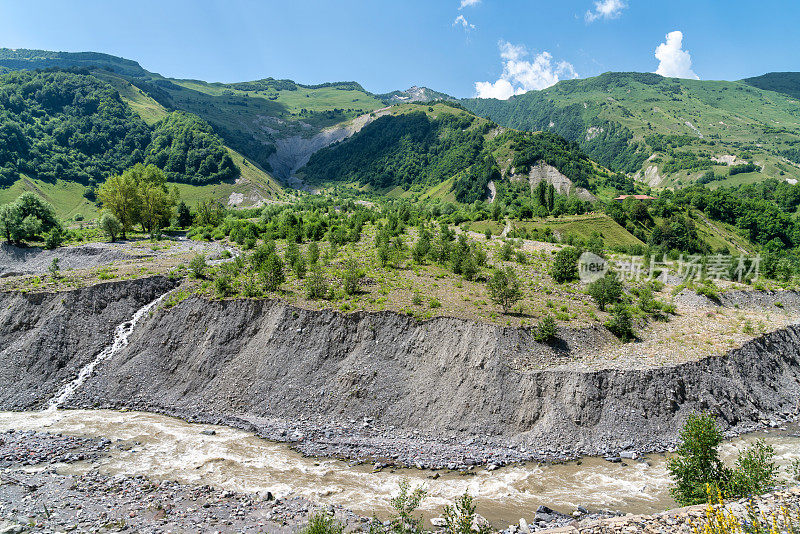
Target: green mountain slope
780, 82
25, 59
443, 150
665, 131
61, 125
251, 117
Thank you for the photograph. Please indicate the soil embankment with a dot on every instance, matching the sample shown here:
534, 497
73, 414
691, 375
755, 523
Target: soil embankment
387, 387
45, 338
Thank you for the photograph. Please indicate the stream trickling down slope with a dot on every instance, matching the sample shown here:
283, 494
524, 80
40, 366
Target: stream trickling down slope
172, 449
121, 335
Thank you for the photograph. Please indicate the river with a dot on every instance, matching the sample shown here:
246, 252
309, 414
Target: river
169, 448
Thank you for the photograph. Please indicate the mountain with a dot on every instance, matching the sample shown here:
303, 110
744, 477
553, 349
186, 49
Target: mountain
668, 131
414, 94
444, 151
25, 59
787, 83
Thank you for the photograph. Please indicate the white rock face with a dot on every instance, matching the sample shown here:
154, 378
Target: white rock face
547, 173
291, 153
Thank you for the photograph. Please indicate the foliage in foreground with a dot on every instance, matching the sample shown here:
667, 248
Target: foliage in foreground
322, 523
719, 520
698, 467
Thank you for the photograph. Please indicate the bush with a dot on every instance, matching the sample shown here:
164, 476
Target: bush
545, 330
620, 324
54, 238
697, 464
755, 472
198, 266
698, 472
110, 225
461, 518
351, 276
504, 288
565, 267
605, 290
506, 251
272, 274
405, 505
322, 523
316, 284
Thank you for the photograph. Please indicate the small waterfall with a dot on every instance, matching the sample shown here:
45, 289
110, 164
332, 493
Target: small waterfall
121, 335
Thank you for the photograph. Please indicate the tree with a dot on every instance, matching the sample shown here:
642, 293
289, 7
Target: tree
11, 222
27, 218
697, 463
316, 284
351, 276
272, 273
184, 215
605, 290
110, 225
119, 194
198, 266
504, 288
565, 267
156, 200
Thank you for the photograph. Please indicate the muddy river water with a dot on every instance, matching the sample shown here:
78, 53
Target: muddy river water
168, 448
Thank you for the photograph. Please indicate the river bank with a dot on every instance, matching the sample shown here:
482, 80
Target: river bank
35, 497
145, 451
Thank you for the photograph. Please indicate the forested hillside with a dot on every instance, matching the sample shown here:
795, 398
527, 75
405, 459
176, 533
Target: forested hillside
419, 147
669, 131
69, 126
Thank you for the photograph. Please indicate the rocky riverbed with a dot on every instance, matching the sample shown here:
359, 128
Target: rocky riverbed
35, 497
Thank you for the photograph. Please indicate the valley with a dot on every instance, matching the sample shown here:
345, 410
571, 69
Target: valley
262, 306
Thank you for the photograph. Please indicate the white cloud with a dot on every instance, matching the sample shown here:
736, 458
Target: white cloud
605, 9
464, 23
468, 3
520, 75
674, 61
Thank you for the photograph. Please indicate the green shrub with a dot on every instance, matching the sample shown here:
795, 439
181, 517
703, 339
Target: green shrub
545, 330
606, 290
272, 274
565, 267
198, 266
316, 285
755, 472
405, 504
621, 324
698, 471
506, 251
697, 464
460, 518
322, 523
351, 276
504, 288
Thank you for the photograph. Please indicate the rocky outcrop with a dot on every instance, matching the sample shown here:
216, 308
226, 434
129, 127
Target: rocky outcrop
46, 337
542, 172
292, 153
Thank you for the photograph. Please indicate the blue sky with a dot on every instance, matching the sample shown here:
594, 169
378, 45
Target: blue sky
506, 46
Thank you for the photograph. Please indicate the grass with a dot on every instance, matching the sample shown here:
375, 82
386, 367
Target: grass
148, 109
66, 197
582, 226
